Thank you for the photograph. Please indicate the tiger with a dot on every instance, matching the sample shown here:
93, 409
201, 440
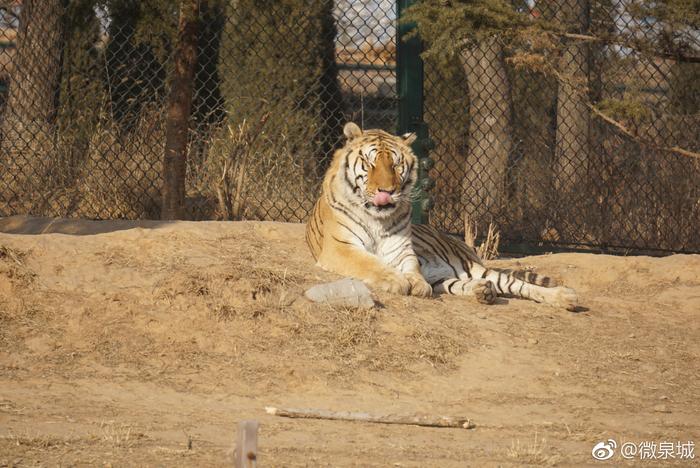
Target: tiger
361, 227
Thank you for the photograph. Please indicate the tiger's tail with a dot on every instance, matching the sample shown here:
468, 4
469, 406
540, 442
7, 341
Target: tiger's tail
532, 278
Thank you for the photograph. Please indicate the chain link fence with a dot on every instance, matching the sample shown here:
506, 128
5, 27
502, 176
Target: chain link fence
534, 154
84, 91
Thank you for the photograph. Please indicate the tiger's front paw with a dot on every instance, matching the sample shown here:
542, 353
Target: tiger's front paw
393, 283
419, 286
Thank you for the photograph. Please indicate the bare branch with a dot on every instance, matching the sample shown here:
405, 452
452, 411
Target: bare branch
411, 420
621, 127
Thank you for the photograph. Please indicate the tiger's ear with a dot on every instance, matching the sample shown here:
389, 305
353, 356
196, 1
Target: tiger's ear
351, 131
409, 138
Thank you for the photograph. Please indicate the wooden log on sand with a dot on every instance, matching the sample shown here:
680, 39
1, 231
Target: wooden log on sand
411, 420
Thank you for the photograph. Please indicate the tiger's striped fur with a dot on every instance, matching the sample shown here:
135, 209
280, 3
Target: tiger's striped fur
360, 227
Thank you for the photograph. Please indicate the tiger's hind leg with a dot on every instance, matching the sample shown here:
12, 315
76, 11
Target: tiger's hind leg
483, 290
508, 283
451, 278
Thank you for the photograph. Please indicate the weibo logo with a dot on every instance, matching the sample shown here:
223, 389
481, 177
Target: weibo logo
604, 450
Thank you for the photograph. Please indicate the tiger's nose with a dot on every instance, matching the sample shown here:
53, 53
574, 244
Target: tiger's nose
389, 191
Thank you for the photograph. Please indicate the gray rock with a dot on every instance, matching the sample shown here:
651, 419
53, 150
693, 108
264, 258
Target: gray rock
346, 292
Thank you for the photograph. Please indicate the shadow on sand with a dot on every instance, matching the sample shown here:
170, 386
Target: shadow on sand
79, 227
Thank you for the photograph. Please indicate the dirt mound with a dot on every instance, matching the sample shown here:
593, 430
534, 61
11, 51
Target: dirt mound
141, 341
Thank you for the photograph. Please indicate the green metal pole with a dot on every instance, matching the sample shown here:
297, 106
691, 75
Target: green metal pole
409, 84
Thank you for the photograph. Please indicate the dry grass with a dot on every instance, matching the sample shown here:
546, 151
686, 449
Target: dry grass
45, 441
488, 249
173, 452
182, 284
532, 453
27, 172
120, 177
252, 178
437, 349
17, 309
15, 255
244, 299
119, 434
13, 267
119, 258
103, 171
265, 309
110, 433
231, 175
226, 312
229, 165
338, 333
367, 339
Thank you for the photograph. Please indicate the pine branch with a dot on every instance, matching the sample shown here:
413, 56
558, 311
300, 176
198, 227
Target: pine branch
621, 127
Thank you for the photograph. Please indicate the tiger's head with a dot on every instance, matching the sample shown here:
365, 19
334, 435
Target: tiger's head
381, 169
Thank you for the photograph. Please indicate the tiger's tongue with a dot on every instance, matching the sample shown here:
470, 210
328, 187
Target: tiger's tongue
381, 199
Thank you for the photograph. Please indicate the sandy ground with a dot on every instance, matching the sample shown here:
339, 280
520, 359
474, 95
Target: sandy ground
146, 346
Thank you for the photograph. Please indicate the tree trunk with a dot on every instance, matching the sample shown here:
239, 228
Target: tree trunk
490, 133
179, 106
30, 111
572, 151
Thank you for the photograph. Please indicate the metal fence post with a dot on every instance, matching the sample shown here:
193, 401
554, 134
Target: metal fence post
409, 83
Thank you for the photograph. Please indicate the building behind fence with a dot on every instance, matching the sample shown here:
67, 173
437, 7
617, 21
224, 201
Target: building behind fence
83, 120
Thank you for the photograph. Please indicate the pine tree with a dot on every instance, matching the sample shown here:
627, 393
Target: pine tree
277, 59
140, 35
469, 31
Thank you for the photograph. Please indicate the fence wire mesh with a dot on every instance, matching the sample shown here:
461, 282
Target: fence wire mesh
532, 154
84, 88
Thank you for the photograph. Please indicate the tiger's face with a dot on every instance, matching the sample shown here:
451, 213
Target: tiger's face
380, 169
